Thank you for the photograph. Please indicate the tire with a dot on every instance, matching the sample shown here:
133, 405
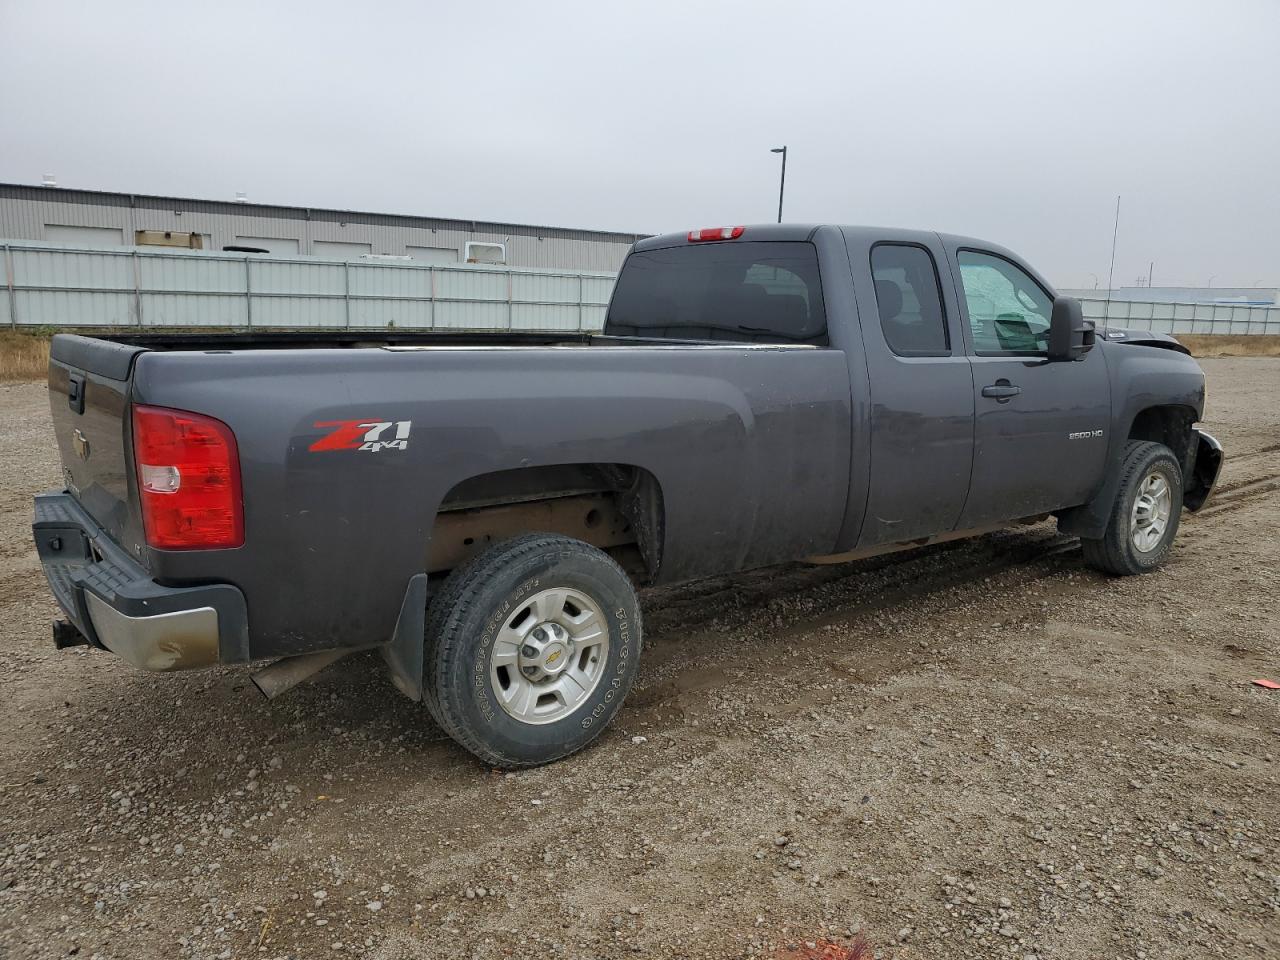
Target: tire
513, 696
1145, 466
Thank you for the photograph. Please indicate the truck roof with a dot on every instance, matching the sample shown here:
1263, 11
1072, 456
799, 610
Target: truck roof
855, 233
805, 231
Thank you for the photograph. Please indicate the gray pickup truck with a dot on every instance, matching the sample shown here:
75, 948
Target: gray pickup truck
479, 507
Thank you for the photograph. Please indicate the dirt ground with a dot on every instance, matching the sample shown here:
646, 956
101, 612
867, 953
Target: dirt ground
976, 750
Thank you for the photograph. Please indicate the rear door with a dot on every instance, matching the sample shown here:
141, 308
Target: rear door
1040, 439
921, 445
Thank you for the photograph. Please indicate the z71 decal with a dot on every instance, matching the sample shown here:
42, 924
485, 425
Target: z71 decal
368, 435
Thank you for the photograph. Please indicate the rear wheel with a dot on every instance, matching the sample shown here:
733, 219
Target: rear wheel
531, 648
1144, 519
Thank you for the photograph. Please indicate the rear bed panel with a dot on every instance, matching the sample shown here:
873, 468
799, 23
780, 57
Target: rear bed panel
334, 536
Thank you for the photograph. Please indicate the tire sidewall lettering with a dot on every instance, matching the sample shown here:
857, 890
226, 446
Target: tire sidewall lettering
484, 649
620, 650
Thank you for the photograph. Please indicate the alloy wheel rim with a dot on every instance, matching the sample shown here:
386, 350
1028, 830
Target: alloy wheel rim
1151, 509
549, 655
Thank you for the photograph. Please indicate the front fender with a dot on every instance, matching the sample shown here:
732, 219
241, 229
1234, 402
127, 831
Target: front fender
1142, 377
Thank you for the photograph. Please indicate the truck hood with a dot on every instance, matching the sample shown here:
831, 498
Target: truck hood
1143, 338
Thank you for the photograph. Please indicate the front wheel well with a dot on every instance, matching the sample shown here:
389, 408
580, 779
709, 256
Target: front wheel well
1171, 426
616, 507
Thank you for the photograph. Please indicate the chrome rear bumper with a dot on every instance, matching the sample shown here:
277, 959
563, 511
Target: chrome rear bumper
116, 605
180, 640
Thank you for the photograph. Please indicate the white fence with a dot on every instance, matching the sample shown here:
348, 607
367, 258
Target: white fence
49, 285
56, 286
1175, 318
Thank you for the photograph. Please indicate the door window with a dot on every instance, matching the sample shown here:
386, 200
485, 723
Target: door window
909, 300
1008, 311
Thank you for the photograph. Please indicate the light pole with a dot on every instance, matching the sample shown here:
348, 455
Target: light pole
782, 185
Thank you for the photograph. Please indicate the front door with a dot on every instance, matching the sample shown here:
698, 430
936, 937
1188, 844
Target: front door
1040, 431
921, 390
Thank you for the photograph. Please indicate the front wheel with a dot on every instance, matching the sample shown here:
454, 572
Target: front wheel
1144, 519
531, 648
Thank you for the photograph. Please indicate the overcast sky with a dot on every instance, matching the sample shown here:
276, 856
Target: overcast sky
1018, 122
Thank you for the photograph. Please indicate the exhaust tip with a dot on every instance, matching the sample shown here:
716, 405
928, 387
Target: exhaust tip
283, 675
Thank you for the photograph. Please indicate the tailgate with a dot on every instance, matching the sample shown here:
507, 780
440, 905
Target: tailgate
89, 398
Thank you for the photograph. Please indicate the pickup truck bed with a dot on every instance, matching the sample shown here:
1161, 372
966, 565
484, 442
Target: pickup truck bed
783, 393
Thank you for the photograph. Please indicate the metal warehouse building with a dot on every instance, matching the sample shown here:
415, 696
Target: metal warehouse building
89, 217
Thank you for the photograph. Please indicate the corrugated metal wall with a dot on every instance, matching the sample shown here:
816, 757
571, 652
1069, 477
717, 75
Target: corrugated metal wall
25, 213
1175, 318
52, 286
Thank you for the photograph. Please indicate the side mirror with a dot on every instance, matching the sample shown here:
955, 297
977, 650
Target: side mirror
1070, 334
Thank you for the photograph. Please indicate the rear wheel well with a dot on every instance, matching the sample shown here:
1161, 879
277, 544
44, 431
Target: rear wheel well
616, 507
1171, 426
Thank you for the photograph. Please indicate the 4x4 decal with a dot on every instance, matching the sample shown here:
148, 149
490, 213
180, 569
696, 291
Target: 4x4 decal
367, 435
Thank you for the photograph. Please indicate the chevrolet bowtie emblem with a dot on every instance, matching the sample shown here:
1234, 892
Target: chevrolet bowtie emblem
81, 443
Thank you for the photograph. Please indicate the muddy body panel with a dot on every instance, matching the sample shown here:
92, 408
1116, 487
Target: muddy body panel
796, 428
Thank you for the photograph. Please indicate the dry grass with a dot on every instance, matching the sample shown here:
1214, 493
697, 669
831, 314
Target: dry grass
23, 356
1231, 345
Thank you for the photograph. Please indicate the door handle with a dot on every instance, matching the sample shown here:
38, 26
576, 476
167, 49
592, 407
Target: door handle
1001, 390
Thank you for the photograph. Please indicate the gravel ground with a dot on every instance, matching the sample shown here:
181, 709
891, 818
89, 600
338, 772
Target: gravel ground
977, 750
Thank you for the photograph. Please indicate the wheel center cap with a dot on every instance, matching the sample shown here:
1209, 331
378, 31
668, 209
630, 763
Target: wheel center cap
545, 651
554, 657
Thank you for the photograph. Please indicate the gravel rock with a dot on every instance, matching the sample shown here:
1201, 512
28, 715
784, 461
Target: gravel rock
975, 750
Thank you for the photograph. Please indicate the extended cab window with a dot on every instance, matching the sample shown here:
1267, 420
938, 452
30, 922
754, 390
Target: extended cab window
754, 292
1008, 311
910, 300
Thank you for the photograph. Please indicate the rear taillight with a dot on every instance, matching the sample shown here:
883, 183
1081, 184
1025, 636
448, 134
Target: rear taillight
715, 233
188, 479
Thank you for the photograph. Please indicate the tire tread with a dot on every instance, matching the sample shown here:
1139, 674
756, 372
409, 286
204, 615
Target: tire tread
450, 608
1112, 552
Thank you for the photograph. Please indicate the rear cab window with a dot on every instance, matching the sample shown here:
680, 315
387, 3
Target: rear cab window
909, 299
738, 291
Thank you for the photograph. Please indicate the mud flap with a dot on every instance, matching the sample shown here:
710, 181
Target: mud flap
1090, 519
403, 653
